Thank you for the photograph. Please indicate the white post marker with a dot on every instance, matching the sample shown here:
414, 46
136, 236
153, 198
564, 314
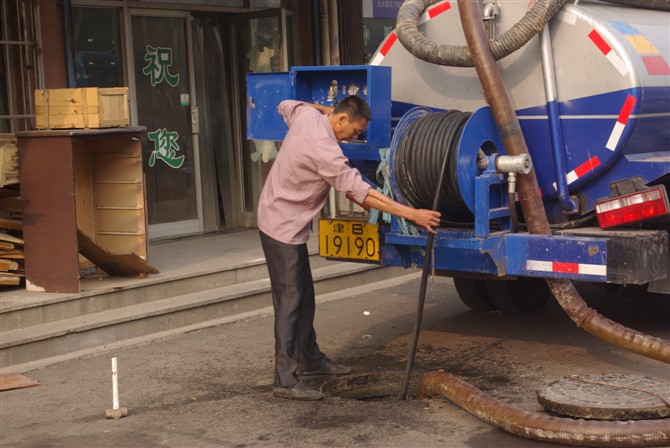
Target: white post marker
116, 412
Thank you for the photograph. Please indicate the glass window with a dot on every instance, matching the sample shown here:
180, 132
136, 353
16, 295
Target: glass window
264, 4
19, 64
374, 32
228, 3
97, 47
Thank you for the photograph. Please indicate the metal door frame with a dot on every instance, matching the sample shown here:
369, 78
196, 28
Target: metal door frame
192, 226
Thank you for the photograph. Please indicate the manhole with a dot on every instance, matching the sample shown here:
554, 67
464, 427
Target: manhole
607, 397
371, 386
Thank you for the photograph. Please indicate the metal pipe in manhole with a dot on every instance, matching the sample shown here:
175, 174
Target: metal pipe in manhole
370, 386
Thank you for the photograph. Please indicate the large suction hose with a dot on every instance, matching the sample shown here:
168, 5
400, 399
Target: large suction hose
505, 44
542, 427
459, 56
661, 5
505, 417
531, 202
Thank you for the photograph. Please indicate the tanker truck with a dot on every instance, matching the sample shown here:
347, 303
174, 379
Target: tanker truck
589, 86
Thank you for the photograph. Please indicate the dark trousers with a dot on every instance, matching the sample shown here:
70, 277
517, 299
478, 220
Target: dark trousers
294, 306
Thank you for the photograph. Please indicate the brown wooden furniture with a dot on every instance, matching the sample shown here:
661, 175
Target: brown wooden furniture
82, 189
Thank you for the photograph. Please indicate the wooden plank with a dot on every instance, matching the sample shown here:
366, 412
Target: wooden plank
9, 238
14, 254
8, 265
83, 185
49, 215
11, 203
11, 224
113, 264
9, 280
9, 381
6, 246
9, 160
9, 192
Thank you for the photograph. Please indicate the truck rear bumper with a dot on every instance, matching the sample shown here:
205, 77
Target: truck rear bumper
633, 256
622, 257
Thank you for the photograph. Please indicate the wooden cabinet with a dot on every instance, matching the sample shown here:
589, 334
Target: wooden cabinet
84, 193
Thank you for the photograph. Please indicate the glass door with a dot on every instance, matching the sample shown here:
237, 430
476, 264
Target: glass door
260, 46
165, 104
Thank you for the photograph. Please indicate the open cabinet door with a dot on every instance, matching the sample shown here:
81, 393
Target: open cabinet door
264, 92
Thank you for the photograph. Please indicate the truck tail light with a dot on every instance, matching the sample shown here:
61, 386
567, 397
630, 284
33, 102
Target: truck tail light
631, 208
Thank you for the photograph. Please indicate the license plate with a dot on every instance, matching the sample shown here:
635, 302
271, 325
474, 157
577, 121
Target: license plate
350, 240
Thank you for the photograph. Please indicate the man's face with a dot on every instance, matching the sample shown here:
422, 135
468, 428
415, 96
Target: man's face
346, 129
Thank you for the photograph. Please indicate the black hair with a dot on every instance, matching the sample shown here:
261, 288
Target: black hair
355, 107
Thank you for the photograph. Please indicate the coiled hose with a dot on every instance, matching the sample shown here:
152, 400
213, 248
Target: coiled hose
505, 417
431, 141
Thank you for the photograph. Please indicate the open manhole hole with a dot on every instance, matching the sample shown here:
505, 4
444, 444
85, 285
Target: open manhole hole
371, 386
608, 397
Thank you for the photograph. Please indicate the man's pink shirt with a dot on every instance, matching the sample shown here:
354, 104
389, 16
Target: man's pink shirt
309, 162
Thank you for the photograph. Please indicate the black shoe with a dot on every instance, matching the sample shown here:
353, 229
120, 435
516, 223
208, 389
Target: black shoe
299, 391
328, 368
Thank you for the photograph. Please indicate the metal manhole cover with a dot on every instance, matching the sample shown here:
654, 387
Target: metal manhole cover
607, 397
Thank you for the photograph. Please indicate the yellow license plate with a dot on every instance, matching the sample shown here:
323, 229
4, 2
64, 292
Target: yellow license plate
351, 240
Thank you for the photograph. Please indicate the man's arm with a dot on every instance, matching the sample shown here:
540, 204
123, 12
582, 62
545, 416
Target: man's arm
321, 108
428, 219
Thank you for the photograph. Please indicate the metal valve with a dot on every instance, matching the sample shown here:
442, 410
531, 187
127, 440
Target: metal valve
520, 164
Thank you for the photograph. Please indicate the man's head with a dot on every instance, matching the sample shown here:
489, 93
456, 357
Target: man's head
350, 117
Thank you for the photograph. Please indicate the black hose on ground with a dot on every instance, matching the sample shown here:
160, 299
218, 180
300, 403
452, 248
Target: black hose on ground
424, 281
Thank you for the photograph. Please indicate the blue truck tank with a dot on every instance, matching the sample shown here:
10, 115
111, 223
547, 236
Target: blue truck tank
609, 69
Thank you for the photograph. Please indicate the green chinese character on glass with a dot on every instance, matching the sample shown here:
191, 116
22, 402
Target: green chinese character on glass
165, 148
157, 69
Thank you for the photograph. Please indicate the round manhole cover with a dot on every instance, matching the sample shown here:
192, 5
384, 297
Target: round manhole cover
607, 397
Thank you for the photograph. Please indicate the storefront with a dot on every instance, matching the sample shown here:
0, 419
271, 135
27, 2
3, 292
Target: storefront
185, 64
185, 68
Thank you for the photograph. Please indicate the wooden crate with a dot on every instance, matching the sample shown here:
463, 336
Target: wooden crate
82, 108
9, 160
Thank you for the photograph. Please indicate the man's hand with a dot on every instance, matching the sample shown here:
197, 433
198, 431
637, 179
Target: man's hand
428, 219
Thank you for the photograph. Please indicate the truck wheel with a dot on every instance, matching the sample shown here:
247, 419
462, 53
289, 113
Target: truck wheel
522, 295
473, 293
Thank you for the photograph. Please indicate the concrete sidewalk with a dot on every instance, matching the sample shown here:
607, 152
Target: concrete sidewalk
177, 258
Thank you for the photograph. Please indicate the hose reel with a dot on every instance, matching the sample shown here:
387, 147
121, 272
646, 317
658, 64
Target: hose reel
425, 140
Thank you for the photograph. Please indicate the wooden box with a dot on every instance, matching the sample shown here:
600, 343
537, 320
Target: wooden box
82, 108
9, 160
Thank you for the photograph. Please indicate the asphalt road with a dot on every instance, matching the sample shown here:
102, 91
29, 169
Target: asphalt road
212, 388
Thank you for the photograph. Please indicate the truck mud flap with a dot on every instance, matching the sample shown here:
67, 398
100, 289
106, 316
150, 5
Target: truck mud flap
633, 256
